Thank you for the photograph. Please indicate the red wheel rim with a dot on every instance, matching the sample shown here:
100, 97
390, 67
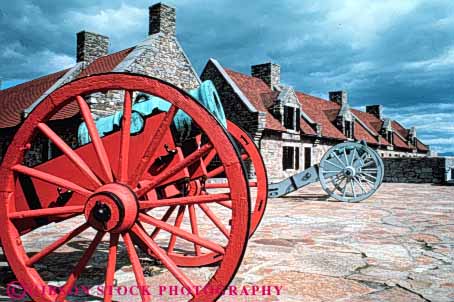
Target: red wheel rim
22, 265
253, 153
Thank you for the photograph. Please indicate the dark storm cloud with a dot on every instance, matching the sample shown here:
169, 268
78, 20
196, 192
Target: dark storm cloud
396, 53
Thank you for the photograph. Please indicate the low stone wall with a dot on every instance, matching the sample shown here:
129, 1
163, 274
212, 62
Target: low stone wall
437, 170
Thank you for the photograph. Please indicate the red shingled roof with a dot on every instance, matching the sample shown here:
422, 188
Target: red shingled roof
306, 128
101, 65
372, 122
322, 112
315, 108
14, 100
105, 64
400, 129
255, 89
360, 133
269, 98
398, 142
262, 97
404, 133
273, 123
252, 87
421, 146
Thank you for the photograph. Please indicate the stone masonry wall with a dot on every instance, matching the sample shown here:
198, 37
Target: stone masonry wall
271, 150
417, 170
162, 57
91, 46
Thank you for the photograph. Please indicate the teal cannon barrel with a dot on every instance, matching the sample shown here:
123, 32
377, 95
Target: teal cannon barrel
206, 95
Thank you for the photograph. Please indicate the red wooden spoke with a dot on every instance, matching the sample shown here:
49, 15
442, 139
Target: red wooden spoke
215, 172
165, 259
216, 185
136, 266
166, 174
56, 244
194, 227
176, 230
76, 159
209, 158
47, 212
77, 271
187, 200
215, 220
164, 218
125, 138
52, 179
153, 146
95, 138
178, 221
111, 264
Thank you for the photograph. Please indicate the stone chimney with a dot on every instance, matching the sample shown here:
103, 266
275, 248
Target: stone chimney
162, 19
375, 110
91, 46
339, 97
270, 73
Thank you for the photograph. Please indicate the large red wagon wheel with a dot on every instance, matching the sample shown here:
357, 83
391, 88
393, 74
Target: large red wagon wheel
111, 189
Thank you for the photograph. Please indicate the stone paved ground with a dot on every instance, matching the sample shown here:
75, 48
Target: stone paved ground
397, 246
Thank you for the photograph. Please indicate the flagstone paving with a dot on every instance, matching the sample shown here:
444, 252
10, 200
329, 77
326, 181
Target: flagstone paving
397, 246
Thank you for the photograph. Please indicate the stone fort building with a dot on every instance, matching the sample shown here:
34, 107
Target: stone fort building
292, 129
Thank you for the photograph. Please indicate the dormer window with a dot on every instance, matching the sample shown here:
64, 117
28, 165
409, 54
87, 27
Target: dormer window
292, 118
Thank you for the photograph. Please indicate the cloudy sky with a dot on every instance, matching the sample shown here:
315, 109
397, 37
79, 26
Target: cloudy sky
396, 53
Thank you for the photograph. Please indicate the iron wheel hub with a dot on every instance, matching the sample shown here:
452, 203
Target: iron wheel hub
112, 208
349, 172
